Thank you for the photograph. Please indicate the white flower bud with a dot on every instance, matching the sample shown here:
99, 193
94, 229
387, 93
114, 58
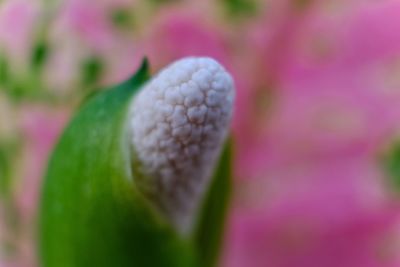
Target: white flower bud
178, 124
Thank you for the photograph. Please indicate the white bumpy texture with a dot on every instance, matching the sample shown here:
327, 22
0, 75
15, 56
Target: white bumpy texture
178, 124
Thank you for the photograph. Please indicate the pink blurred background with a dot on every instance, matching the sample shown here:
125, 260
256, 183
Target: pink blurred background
317, 116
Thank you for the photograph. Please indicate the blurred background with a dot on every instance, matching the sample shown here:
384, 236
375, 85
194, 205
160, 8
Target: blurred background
316, 128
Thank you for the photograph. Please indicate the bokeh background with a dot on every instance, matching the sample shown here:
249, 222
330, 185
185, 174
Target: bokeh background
316, 126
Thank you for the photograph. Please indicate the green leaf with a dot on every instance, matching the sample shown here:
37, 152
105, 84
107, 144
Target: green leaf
8, 155
40, 54
210, 228
92, 70
241, 8
391, 164
4, 70
122, 18
91, 211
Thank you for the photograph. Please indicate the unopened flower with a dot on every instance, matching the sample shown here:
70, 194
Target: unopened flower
179, 122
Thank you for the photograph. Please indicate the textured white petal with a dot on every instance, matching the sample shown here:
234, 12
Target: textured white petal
178, 124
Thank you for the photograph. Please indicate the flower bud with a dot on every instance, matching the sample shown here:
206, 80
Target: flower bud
178, 123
